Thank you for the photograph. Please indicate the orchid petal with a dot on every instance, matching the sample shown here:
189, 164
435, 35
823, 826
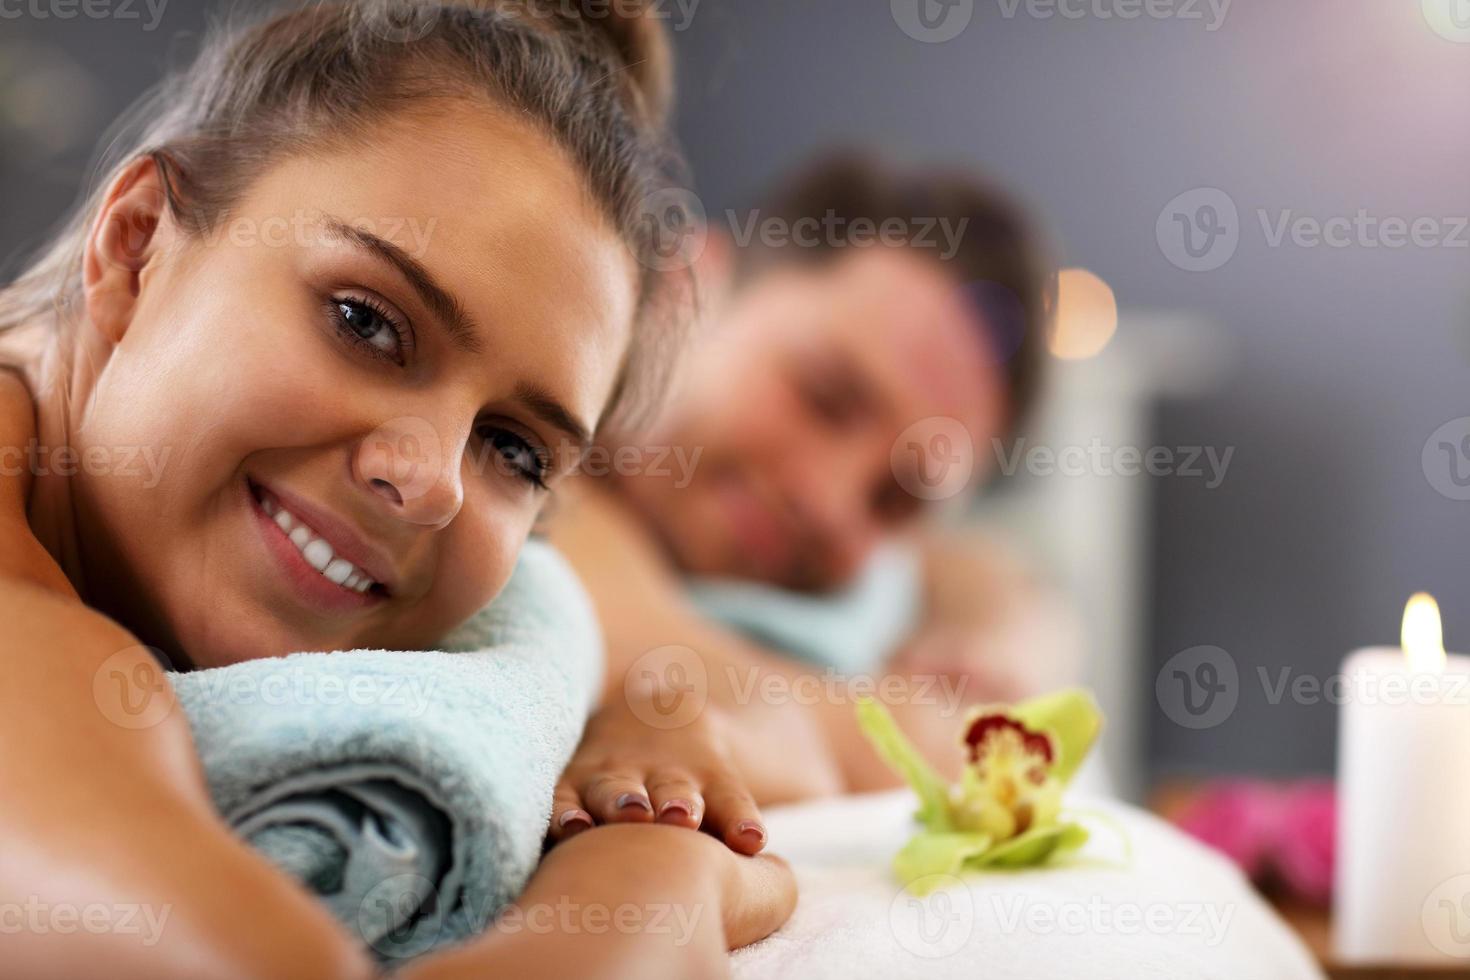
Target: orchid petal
929, 853
1034, 847
903, 758
1072, 718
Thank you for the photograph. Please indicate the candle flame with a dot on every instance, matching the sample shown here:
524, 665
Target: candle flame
1423, 636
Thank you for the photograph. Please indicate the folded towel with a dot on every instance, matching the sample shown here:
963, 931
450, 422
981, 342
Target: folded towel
410, 790
851, 631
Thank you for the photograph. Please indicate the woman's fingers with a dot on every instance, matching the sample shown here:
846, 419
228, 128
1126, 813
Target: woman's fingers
676, 798
568, 815
618, 796
731, 814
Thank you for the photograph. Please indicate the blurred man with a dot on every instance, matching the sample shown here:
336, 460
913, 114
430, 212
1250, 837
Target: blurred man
870, 338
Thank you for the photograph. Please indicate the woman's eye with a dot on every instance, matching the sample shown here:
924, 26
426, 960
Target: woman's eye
517, 456
364, 324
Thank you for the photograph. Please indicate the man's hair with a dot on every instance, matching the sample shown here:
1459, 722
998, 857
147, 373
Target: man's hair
997, 257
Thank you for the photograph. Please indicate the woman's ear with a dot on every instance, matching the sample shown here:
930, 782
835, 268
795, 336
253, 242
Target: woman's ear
124, 240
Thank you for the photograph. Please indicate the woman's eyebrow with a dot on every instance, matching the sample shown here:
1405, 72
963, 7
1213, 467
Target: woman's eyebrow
445, 306
544, 405
461, 327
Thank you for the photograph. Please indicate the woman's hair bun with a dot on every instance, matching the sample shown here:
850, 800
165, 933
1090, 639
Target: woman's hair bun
637, 33
633, 31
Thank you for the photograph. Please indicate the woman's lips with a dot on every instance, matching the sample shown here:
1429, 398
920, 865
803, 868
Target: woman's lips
305, 581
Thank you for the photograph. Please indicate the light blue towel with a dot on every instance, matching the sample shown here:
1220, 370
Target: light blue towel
410, 790
851, 631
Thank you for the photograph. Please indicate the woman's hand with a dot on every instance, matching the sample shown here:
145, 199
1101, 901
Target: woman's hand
635, 767
625, 901
750, 897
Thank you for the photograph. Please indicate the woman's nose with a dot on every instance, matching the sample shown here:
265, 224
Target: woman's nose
409, 463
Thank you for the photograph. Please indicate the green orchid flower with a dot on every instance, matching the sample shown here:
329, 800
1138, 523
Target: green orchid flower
1006, 811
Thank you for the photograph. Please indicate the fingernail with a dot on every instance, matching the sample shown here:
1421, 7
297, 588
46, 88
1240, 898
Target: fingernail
574, 822
678, 810
629, 800
751, 832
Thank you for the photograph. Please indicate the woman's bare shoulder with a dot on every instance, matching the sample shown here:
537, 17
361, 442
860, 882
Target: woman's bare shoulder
22, 556
17, 430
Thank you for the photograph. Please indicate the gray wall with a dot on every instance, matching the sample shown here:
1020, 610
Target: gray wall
1349, 358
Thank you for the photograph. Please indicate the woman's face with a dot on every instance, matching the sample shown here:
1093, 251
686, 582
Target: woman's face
360, 385
823, 408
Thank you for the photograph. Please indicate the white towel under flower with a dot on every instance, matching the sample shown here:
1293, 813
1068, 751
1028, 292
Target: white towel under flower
1172, 910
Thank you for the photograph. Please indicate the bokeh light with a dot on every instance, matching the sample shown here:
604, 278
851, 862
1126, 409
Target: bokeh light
1086, 317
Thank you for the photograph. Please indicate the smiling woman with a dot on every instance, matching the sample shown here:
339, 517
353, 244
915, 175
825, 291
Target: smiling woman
368, 277
380, 311
344, 377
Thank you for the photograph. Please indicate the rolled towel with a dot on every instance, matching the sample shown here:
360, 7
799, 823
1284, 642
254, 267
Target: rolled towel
410, 790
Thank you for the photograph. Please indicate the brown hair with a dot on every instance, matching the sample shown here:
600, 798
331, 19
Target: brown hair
999, 259
595, 78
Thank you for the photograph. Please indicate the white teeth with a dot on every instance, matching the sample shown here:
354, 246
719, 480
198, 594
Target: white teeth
317, 552
358, 582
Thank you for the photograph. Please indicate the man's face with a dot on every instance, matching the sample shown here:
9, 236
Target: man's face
797, 404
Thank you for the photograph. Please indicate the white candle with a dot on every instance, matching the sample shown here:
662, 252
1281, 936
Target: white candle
1402, 889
